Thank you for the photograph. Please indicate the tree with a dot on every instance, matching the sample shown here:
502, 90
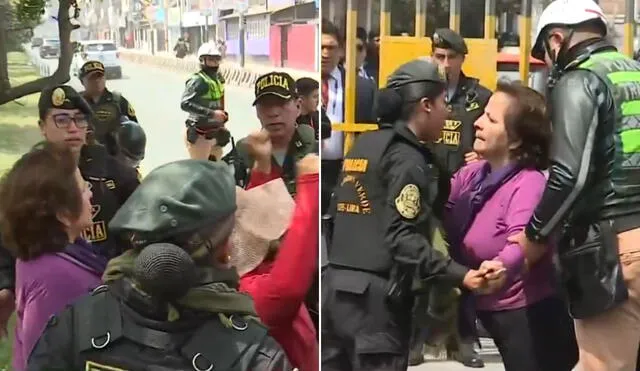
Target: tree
25, 15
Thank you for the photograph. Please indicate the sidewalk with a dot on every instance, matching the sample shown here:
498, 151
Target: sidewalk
232, 72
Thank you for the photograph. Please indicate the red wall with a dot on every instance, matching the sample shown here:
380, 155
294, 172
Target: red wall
300, 46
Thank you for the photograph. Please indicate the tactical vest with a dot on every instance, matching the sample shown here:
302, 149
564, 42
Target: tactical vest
622, 76
302, 144
216, 88
106, 116
359, 233
105, 339
104, 203
458, 134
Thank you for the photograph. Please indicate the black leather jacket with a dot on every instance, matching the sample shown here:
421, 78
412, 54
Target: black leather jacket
135, 338
580, 190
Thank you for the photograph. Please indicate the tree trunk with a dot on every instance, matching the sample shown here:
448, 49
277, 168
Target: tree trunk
61, 75
5, 84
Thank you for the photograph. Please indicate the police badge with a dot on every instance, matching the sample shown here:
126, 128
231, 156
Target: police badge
58, 97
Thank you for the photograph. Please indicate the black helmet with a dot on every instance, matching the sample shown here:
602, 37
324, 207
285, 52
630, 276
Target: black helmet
132, 142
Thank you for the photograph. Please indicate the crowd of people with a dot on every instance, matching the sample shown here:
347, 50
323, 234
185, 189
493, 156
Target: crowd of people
512, 212
206, 261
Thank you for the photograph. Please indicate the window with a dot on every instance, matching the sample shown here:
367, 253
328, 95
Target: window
100, 47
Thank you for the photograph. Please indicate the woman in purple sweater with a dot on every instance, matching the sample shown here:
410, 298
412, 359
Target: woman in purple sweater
492, 199
44, 207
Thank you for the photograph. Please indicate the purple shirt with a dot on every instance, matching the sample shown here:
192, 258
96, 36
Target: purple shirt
44, 287
506, 213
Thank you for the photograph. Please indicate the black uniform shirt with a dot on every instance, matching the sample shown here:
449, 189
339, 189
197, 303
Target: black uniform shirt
411, 195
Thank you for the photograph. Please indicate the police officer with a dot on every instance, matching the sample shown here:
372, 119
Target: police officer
203, 98
465, 99
388, 195
277, 107
593, 193
171, 302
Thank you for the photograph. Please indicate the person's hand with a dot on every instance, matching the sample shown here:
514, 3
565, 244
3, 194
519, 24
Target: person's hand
474, 280
201, 149
259, 145
7, 306
309, 164
470, 157
219, 116
532, 251
496, 275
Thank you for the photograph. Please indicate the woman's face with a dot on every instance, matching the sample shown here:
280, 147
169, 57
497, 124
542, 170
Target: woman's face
86, 215
491, 140
435, 117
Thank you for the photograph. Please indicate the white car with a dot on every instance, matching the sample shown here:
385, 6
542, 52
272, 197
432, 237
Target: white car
99, 50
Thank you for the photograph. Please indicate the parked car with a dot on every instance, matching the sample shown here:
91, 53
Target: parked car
98, 50
50, 48
36, 42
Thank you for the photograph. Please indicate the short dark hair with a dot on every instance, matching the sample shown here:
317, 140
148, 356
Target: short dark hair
527, 120
329, 28
39, 186
306, 86
361, 34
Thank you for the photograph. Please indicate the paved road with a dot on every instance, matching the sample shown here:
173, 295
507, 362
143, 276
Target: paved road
489, 354
155, 95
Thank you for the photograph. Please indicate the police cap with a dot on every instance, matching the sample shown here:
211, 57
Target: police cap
62, 97
279, 84
91, 67
446, 38
419, 70
176, 199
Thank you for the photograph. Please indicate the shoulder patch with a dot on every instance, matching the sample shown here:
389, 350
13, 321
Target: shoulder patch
94, 366
408, 201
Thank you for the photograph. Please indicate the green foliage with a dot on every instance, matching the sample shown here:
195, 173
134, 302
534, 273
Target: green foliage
29, 12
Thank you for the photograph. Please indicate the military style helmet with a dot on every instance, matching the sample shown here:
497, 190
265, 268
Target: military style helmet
132, 142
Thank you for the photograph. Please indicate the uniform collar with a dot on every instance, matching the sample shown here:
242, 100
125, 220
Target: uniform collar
583, 50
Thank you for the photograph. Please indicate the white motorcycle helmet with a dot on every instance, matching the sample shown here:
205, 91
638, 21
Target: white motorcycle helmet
209, 49
565, 13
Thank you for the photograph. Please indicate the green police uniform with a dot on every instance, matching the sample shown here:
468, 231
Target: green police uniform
121, 327
303, 142
203, 95
108, 109
466, 103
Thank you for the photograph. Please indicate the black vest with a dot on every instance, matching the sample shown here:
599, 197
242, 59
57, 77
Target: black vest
106, 337
358, 235
458, 134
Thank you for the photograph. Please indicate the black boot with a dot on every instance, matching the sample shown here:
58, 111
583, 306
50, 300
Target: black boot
467, 355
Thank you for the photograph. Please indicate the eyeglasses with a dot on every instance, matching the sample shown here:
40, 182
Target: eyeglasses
63, 121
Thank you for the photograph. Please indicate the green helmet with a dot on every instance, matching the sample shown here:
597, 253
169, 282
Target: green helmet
132, 142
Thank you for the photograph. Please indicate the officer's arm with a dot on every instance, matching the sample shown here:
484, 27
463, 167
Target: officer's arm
575, 117
127, 108
195, 88
54, 349
409, 245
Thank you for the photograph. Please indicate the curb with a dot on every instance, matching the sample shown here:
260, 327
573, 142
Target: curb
232, 74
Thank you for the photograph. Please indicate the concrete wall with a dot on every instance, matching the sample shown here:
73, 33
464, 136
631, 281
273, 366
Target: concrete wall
301, 46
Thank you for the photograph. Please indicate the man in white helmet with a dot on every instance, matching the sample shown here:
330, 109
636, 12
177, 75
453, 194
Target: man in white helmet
203, 98
593, 193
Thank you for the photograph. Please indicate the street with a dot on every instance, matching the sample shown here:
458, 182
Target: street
489, 354
155, 96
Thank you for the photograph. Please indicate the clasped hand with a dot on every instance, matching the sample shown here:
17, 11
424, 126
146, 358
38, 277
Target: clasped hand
489, 278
